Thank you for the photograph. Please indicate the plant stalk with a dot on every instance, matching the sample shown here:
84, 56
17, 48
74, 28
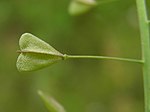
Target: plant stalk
102, 58
145, 44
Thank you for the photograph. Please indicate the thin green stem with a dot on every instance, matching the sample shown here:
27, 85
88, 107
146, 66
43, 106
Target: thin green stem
103, 58
144, 28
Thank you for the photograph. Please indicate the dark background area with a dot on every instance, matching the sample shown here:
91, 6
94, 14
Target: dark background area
80, 85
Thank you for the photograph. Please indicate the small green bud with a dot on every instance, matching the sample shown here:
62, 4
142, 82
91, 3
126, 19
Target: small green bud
51, 104
78, 7
35, 53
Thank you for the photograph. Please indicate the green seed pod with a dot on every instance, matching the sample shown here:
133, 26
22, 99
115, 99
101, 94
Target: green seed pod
35, 53
78, 7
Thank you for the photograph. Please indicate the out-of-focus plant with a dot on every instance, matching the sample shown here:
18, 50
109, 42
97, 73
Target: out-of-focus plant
51, 104
79, 7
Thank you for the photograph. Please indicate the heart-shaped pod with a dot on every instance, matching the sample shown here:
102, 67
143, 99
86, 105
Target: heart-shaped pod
35, 53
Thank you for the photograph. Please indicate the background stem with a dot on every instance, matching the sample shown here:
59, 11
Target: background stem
103, 58
144, 28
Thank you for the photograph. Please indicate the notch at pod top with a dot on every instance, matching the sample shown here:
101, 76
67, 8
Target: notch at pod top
35, 53
78, 7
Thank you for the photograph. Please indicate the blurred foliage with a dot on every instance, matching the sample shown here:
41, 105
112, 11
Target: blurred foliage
51, 104
80, 85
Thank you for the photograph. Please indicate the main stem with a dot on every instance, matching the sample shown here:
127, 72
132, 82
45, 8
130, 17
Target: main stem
103, 58
144, 28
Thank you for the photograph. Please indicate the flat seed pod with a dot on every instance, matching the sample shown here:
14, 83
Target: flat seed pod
51, 104
78, 7
35, 53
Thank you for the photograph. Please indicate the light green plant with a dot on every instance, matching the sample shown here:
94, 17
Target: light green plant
36, 54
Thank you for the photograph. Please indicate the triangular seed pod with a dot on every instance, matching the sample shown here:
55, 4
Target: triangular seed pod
35, 53
78, 7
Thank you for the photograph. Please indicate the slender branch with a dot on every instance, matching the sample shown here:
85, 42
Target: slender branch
103, 58
144, 28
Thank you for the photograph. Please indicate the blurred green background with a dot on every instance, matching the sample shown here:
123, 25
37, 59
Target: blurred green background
80, 85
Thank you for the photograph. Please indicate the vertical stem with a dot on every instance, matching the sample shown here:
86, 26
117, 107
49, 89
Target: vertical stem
144, 28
